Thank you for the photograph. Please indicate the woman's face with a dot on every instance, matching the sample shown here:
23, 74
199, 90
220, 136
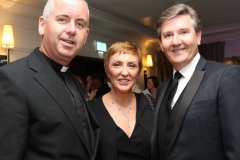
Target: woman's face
150, 84
89, 80
123, 70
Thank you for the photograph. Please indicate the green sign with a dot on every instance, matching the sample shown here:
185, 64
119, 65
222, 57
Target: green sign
101, 46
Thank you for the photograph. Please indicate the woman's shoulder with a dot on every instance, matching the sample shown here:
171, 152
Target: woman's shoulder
146, 100
96, 103
139, 95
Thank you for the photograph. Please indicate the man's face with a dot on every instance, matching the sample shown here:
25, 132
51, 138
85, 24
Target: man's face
179, 41
65, 31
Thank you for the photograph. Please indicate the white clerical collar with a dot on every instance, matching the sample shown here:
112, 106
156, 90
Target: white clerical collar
64, 69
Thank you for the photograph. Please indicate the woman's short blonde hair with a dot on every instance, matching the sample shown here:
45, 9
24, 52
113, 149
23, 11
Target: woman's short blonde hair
122, 47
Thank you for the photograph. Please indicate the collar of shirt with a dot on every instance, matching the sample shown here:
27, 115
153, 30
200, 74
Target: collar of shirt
55, 65
187, 73
188, 70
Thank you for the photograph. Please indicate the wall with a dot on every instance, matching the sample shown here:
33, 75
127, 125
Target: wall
25, 24
229, 33
232, 47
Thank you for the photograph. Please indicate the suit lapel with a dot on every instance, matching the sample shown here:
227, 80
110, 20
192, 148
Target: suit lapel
160, 96
47, 77
186, 100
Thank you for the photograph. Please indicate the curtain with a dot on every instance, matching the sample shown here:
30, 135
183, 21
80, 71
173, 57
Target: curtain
211, 51
164, 67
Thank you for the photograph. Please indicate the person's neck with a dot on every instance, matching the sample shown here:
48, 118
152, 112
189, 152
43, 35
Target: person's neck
152, 90
64, 62
121, 99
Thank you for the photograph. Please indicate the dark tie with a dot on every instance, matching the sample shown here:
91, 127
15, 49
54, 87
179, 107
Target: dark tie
78, 102
173, 88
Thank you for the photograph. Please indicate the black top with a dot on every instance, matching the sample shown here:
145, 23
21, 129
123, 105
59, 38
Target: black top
114, 143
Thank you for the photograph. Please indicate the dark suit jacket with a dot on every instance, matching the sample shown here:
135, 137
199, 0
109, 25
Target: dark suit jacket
37, 117
206, 125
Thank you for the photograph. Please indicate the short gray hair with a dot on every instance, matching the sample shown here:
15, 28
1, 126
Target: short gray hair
179, 9
49, 6
48, 9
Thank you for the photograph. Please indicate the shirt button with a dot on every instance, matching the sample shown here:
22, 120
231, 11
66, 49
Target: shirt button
167, 131
166, 143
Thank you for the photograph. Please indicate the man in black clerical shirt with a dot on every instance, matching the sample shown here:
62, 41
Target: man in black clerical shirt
43, 112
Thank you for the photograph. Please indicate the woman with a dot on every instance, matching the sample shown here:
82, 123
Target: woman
125, 117
90, 93
152, 84
232, 60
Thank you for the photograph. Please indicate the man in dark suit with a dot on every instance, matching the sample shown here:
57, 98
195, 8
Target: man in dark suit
201, 122
43, 112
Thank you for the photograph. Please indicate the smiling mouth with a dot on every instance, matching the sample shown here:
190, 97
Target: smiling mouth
69, 42
124, 80
177, 50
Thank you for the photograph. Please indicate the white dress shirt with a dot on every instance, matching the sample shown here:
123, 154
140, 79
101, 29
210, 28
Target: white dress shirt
187, 73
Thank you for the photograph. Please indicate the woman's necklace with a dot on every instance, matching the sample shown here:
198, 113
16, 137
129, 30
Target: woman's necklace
125, 113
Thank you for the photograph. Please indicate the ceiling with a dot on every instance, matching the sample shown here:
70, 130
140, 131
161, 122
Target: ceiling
138, 17
146, 12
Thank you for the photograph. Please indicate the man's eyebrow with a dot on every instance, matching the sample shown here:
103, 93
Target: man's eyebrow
79, 19
166, 32
82, 20
62, 15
